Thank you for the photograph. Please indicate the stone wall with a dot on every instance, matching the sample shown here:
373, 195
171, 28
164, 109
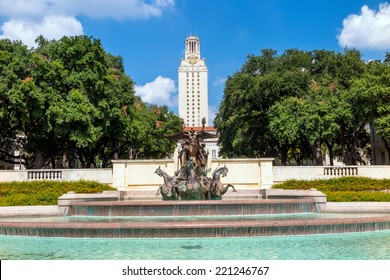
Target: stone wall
284, 173
100, 175
243, 173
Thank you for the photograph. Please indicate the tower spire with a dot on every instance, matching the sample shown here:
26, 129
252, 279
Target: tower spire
193, 84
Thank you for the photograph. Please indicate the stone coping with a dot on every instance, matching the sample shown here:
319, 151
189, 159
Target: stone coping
191, 202
331, 207
198, 224
172, 160
358, 207
49, 210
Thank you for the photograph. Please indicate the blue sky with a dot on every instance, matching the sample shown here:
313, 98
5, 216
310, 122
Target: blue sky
150, 35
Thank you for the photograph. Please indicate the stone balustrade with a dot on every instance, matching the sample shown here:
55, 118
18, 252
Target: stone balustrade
341, 171
44, 175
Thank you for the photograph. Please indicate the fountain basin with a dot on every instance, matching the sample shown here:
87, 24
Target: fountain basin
186, 229
190, 208
192, 219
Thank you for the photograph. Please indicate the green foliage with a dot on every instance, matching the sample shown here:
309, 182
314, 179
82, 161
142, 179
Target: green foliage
345, 188
44, 192
358, 196
298, 104
70, 101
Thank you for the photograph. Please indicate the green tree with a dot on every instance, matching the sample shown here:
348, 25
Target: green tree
23, 103
287, 103
370, 95
263, 80
70, 101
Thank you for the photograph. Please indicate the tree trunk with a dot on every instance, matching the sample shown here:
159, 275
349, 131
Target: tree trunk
65, 160
39, 161
316, 147
388, 150
331, 153
283, 155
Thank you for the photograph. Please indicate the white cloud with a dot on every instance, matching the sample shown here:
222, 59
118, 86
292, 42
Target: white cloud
219, 81
369, 30
212, 111
26, 19
52, 27
159, 92
117, 9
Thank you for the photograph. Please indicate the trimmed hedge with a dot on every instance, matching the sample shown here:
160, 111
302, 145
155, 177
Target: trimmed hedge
358, 196
44, 192
345, 189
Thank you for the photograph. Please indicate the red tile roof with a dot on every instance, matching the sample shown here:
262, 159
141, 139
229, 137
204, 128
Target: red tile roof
199, 128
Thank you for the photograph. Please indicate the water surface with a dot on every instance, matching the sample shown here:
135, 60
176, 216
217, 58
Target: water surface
347, 246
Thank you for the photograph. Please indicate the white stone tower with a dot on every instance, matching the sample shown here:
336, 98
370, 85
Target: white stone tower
193, 87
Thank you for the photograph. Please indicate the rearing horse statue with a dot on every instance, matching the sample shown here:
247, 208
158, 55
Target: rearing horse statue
216, 187
170, 190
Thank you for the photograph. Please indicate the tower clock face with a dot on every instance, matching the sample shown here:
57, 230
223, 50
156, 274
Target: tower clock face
193, 59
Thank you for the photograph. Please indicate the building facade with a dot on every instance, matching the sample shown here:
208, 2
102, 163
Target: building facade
193, 85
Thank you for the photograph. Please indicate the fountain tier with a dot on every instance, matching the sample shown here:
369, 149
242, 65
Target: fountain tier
190, 208
194, 229
223, 218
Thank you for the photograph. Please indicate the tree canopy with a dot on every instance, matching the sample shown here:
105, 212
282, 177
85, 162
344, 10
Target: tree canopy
301, 104
69, 101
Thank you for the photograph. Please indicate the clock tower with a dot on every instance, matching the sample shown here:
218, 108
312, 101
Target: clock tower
193, 87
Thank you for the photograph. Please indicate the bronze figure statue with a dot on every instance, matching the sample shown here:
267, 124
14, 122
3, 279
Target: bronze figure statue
192, 146
190, 181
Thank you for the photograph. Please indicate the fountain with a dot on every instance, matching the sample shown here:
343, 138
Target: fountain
192, 206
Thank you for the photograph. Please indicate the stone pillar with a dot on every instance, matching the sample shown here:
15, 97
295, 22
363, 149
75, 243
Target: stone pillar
266, 173
208, 165
119, 174
176, 161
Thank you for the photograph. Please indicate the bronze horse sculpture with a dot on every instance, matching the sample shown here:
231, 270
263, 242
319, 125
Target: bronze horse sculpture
194, 187
190, 181
169, 190
216, 189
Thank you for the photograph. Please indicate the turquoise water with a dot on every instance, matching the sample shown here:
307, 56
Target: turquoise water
348, 246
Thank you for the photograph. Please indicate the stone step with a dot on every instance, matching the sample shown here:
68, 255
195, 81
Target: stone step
242, 196
142, 197
151, 194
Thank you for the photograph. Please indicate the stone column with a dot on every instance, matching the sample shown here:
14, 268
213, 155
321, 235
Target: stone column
119, 174
266, 173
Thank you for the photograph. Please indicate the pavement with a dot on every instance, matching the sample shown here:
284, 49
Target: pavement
356, 207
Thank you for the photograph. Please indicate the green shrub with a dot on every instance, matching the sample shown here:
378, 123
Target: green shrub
358, 196
344, 188
44, 192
